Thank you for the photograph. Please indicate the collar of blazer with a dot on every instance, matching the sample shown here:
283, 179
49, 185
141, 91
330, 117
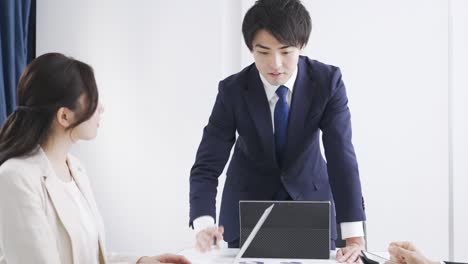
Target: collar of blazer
58, 197
305, 96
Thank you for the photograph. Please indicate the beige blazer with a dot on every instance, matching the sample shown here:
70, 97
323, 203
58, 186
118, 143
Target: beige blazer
35, 224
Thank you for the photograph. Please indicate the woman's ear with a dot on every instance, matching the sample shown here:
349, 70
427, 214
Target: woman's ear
65, 117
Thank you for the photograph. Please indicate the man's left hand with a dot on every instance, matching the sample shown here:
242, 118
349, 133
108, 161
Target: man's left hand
352, 251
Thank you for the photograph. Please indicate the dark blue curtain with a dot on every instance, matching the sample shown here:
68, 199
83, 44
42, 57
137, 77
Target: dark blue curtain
18, 48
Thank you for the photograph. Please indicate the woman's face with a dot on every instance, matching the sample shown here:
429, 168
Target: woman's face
88, 129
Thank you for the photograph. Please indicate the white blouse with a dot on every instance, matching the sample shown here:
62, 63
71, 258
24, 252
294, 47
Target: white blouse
87, 243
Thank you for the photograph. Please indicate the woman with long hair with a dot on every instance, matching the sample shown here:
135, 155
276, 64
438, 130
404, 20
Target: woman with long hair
48, 213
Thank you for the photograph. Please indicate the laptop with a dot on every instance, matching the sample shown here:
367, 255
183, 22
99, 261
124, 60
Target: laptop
284, 229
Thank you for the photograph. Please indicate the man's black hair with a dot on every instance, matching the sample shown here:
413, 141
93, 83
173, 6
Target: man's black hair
287, 20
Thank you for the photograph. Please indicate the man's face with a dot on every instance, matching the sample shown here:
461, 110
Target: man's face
274, 60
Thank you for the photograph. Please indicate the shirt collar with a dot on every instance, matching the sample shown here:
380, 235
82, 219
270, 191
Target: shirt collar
270, 89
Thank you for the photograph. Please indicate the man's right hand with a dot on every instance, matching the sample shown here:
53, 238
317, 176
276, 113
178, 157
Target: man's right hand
206, 238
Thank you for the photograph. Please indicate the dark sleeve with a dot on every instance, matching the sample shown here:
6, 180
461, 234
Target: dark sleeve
341, 159
212, 155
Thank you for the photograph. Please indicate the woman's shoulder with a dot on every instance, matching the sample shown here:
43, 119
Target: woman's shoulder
24, 168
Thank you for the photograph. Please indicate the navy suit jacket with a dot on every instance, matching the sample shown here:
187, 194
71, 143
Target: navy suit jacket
319, 102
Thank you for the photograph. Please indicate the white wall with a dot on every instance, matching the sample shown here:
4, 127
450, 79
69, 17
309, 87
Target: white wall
459, 12
158, 64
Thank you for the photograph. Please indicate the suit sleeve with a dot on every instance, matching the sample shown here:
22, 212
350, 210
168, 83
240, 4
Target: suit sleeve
212, 155
342, 165
25, 234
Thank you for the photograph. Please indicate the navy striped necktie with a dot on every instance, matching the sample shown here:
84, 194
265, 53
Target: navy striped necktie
281, 122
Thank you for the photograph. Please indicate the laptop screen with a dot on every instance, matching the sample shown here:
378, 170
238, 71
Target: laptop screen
293, 229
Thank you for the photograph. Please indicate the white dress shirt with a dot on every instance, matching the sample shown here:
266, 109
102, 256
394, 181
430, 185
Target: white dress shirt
348, 229
272, 97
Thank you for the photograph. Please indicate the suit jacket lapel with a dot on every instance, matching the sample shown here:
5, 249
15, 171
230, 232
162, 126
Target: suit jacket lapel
304, 93
77, 174
259, 110
83, 186
58, 198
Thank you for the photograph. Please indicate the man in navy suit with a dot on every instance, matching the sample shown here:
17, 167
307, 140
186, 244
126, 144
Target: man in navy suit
278, 106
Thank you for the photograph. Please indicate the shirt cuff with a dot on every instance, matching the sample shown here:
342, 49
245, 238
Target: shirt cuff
203, 222
351, 229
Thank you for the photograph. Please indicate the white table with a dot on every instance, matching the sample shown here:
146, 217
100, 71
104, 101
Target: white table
227, 256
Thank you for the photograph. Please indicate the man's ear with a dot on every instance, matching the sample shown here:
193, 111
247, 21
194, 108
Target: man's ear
65, 117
